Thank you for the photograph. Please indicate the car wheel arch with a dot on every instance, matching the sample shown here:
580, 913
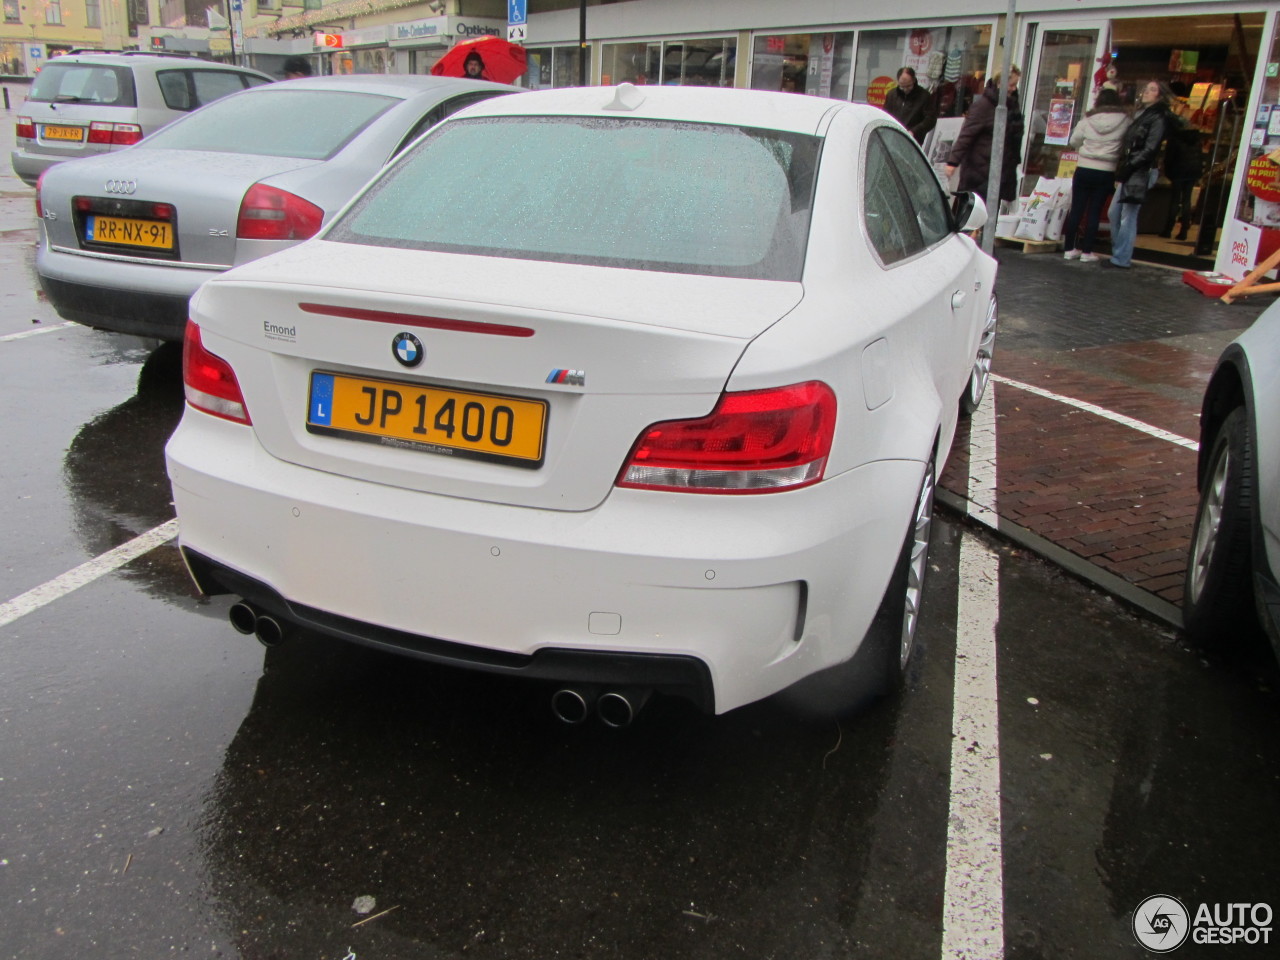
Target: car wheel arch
1227, 390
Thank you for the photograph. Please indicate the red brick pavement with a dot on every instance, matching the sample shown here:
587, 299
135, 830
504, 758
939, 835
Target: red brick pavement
1116, 497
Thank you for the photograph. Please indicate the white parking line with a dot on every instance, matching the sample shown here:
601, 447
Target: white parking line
35, 331
1138, 425
86, 573
973, 894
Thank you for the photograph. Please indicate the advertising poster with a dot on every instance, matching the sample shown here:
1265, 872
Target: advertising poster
1058, 125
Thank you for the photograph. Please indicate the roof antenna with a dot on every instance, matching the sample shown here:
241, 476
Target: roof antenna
625, 97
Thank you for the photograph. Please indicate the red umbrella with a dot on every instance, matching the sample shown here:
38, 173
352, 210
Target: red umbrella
501, 61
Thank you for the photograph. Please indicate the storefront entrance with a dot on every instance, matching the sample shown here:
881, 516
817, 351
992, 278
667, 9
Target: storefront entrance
1208, 61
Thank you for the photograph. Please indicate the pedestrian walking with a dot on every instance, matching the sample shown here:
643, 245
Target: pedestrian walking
911, 105
1099, 139
972, 149
1137, 171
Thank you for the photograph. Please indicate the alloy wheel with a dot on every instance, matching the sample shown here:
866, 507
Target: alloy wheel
1209, 522
981, 373
917, 567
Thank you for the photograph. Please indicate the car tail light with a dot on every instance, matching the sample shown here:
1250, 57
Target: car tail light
115, 134
268, 213
39, 187
26, 129
210, 382
759, 441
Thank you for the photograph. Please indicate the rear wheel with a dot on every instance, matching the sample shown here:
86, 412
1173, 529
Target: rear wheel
1218, 591
980, 375
891, 642
880, 665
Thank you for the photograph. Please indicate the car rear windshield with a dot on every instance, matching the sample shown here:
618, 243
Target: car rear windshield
84, 83
680, 197
307, 124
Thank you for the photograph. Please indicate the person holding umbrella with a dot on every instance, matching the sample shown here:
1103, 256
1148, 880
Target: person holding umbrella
473, 66
483, 58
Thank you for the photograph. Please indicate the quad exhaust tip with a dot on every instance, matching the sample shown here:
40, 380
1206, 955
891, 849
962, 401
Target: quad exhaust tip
615, 708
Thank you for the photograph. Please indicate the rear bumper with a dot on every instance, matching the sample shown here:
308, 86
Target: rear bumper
29, 166
758, 591
685, 677
137, 298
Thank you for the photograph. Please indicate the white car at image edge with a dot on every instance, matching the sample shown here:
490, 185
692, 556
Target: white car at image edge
629, 390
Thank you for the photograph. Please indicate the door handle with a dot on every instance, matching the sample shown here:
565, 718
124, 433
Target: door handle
957, 299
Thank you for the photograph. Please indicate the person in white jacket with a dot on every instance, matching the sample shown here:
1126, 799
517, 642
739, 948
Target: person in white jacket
1099, 138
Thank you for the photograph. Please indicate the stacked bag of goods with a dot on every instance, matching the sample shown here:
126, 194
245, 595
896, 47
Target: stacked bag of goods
1042, 214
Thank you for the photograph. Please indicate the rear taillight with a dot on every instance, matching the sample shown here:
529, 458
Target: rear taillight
210, 382
39, 188
115, 134
759, 441
26, 129
268, 213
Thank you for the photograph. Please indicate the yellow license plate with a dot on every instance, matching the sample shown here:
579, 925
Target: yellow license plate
480, 426
129, 232
63, 133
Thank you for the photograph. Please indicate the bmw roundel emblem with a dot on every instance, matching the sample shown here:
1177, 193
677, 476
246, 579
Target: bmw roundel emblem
407, 349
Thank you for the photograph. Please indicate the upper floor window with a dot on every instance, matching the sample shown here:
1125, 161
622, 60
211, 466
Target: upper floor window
92, 14
53, 12
12, 11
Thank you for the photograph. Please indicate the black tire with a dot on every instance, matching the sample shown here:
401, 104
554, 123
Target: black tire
980, 374
1217, 601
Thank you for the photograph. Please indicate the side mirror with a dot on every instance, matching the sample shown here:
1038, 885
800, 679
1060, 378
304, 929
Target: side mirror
969, 212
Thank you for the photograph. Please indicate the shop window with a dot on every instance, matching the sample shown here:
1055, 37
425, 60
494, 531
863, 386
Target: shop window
371, 61
671, 62
637, 63
819, 64
554, 67
889, 221
950, 62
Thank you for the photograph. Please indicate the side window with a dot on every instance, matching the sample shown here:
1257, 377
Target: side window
890, 223
175, 89
253, 80
438, 113
921, 184
212, 84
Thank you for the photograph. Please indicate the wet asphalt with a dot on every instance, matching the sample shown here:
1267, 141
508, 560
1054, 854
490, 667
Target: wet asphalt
168, 787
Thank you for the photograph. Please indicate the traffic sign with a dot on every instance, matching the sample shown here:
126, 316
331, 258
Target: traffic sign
237, 5
517, 12
516, 32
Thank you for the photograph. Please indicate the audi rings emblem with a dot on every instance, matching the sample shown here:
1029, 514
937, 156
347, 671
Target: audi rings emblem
126, 187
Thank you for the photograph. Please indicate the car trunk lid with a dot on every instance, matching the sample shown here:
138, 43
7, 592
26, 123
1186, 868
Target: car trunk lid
603, 352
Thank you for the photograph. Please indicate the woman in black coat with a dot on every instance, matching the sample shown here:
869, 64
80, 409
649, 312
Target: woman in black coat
911, 105
972, 150
1137, 171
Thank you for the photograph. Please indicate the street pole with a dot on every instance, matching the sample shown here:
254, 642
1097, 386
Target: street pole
997, 135
582, 43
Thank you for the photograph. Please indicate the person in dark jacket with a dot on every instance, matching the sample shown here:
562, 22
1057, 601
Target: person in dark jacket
911, 105
1183, 165
1137, 171
972, 149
